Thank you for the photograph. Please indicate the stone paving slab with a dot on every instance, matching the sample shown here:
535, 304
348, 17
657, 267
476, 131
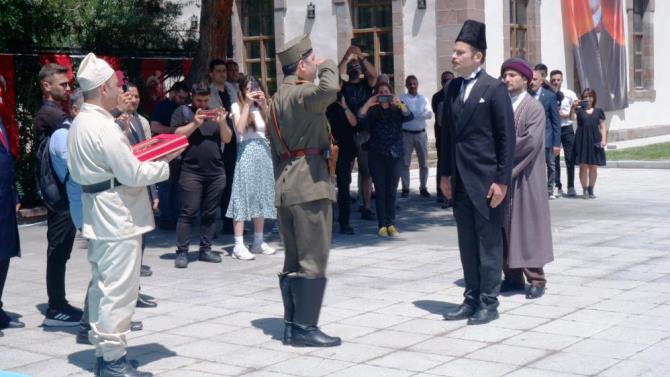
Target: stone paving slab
606, 311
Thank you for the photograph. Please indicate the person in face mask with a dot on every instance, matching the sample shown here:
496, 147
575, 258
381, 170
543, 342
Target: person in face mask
362, 78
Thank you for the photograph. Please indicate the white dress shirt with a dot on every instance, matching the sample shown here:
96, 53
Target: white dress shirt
468, 87
420, 108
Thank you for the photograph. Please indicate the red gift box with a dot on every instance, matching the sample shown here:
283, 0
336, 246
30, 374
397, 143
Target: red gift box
159, 146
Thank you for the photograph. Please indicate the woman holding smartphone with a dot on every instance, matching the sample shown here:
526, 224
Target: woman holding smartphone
252, 195
590, 140
384, 115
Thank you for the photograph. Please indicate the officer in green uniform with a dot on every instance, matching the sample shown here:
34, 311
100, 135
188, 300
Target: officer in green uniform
304, 192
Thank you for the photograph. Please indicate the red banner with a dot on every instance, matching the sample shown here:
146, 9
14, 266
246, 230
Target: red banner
153, 77
595, 29
8, 102
63, 60
186, 66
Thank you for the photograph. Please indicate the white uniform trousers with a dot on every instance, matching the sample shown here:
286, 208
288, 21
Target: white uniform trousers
115, 267
415, 142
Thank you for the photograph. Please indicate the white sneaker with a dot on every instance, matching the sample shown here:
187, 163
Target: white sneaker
242, 253
262, 248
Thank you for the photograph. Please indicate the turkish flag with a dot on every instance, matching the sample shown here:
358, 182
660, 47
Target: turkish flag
8, 102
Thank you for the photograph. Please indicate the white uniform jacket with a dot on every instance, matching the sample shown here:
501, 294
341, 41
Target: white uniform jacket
99, 151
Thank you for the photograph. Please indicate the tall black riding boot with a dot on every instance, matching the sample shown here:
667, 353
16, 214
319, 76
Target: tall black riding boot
307, 297
288, 307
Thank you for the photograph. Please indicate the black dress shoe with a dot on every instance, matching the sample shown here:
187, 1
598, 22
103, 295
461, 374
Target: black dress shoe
535, 292
312, 336
13, 324
181, 261
346, 229
145, 271
404, 193
424, 193
120, 368
209, 256
99, 361
143, 302
483, 316
368, 215
509, 286
463, 311
136, 325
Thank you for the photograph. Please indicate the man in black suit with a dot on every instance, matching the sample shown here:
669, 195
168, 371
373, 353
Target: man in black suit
552, 145
436, 104
478, 154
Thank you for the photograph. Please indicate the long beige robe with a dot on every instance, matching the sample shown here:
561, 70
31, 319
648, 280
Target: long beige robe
99, 151
528, 224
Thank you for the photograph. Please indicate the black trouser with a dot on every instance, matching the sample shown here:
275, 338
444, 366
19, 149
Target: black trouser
568, 141
229, 161
481, 247
198, 194
168, 194
438, 148
343, 172
4, 268
385, 171
60, 238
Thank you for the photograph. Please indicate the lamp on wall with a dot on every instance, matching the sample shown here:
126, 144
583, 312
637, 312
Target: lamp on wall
311, 11
421, 4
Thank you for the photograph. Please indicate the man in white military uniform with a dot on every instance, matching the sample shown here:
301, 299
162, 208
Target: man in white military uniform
116, 213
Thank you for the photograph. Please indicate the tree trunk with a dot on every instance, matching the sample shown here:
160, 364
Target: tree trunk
215, 18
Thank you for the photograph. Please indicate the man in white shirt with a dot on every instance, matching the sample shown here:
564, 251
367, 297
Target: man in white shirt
116, 212
414, 135
567, 134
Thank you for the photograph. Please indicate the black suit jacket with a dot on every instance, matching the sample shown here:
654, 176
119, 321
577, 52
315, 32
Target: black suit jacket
479, 150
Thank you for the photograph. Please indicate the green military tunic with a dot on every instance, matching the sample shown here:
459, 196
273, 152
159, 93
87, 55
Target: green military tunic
304, 189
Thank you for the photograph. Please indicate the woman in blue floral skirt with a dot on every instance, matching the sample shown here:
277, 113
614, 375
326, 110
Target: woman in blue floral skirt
253, 192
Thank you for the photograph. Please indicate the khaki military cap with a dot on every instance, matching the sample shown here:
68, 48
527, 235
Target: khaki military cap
293, 50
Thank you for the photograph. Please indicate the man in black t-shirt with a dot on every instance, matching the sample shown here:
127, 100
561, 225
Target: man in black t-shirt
55, 88
356, 91
203, 175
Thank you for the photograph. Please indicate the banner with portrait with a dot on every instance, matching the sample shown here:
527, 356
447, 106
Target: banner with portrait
595, 29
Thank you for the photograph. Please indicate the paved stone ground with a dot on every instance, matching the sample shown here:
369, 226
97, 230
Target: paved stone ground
606, 311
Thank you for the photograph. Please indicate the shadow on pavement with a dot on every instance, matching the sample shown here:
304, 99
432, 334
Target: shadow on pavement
270, 326
412, 214
435, 307
149, 353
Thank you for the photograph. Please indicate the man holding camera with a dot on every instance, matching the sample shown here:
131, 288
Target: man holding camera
203, 174
356, 91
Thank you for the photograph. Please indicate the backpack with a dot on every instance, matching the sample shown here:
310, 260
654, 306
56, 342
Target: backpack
50, 189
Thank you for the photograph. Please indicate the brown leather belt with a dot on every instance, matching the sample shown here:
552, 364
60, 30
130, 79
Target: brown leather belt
302, 152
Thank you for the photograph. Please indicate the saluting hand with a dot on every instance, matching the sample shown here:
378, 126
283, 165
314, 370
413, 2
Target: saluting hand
496, 194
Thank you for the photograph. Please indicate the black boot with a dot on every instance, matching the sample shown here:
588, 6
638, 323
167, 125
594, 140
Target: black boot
120, 368
288, 307
307, 297
82, 334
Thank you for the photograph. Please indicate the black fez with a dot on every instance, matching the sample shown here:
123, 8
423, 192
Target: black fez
473, 33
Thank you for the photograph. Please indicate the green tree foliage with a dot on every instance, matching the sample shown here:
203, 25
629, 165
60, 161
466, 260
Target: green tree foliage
108, 27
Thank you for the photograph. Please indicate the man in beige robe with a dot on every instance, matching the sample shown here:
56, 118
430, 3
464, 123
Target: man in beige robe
527, 245
116, 212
